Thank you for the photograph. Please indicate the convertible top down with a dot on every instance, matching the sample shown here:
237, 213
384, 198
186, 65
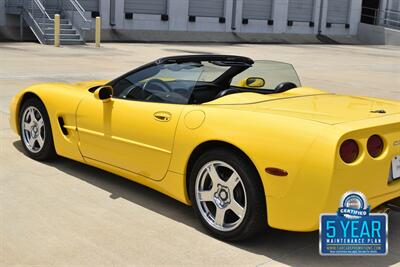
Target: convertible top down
242, 141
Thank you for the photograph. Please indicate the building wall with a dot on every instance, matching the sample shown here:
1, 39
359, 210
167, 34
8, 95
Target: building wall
233, 23
178, 19
9, 26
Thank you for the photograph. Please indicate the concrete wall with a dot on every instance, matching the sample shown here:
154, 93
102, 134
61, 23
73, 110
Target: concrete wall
378, 35
178, 19
4, 25
151, 27
9, 26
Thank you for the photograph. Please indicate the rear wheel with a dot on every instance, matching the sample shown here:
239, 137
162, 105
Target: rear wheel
227, 195
36, 135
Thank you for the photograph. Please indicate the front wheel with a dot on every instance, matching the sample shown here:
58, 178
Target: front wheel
36, 135
227, 195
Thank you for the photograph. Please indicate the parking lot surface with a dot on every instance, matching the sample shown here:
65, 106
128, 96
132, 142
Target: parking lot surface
65, 213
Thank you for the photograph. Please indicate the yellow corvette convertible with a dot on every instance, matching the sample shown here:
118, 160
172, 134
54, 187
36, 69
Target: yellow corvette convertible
240, 140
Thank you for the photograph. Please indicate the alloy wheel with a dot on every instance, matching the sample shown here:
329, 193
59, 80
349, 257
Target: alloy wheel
220, 195
33, 129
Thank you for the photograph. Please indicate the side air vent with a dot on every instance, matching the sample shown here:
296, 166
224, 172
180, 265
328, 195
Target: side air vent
61, 123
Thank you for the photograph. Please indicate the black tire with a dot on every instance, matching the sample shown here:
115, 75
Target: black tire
47, 151
255, 218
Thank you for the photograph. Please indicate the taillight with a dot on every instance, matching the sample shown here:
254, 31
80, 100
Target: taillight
375, 146
349, 151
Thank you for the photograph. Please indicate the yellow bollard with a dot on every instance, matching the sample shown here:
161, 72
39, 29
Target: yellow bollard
57, 30
98, 31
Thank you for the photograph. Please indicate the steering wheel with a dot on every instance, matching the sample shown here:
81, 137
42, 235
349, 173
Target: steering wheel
151, 87
155, 85
285, 86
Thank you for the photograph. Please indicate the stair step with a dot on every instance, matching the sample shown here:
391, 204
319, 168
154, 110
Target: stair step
48, 9
53, 11
52, 22
68, 34
62, 31
64, 36
40, 15
48, 26
48, 21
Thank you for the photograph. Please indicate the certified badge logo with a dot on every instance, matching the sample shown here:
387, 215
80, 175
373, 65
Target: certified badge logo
353, 205
353, 230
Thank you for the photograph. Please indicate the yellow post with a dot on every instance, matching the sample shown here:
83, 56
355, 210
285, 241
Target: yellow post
57, 30
98, 31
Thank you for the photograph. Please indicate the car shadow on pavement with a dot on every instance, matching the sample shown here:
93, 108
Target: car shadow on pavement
292, 248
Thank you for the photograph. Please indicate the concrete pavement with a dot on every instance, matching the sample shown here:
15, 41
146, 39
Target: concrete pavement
65, 213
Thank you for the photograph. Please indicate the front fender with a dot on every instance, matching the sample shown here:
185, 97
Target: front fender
61, 101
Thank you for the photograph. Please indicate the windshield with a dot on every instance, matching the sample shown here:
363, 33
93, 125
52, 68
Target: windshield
165, 83
212, 71
202, 81
273, 73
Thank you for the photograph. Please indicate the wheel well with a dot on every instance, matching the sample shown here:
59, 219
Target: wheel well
29, 95
25, 97
202, 148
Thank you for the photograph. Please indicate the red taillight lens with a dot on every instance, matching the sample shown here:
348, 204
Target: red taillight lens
349, 151
375, 146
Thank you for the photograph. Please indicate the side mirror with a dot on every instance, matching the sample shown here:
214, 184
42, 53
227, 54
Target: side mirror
103, 93
255, 82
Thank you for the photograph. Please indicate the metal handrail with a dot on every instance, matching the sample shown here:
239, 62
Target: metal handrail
387, 20
384, 16
70, 9
79, 9
42, 9
37, 24
378, 10
79, 6
392, 11
28, 8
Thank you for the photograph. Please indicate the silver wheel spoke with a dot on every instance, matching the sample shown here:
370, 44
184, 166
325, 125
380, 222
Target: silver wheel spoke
27, 126
212, 171
31, 142
40, 123
233, 181
32, 114
40, 141
219, 217
205, 195
237, 209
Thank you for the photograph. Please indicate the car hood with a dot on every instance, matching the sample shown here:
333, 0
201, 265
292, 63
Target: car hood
311, 104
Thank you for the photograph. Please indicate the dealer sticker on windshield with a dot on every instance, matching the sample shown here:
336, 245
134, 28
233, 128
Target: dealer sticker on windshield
353, 230
396, 167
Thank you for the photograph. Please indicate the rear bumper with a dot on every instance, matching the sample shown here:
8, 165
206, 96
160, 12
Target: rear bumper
324, 177
304, 216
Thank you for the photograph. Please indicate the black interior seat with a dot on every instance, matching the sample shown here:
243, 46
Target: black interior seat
203, 94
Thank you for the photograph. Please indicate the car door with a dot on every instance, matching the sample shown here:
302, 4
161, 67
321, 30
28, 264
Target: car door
134, 130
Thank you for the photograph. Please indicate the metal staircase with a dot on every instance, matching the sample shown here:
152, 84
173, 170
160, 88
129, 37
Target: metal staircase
40, 19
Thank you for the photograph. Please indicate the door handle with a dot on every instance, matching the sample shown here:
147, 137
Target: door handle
162, 116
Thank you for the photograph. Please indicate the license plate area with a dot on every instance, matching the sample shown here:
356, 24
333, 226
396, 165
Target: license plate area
395, 168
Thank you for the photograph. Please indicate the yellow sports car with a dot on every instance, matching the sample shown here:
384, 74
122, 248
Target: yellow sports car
240, 140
